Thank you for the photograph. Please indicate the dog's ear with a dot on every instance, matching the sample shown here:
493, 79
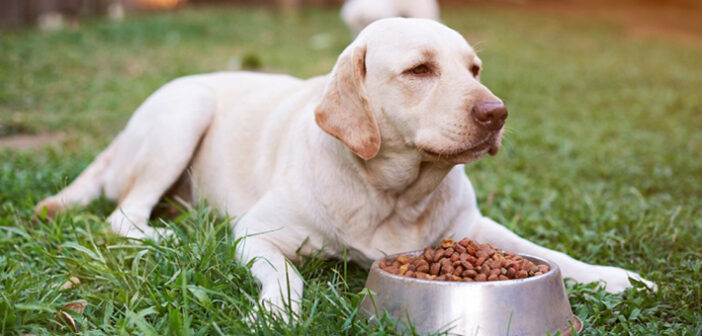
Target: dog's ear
344, 111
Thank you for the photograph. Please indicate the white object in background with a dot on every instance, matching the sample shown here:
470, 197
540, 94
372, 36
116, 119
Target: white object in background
357, 14
115, 10
50, 21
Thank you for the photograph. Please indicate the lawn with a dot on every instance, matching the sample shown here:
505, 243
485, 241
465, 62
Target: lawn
602, 160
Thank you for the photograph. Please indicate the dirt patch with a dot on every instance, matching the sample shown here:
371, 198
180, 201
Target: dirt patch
29, 141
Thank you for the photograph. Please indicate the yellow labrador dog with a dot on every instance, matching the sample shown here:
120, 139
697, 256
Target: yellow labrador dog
369, 157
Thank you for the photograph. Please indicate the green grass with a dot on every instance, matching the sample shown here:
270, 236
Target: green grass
602, 160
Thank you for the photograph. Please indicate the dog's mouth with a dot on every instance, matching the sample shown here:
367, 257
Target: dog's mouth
489, 145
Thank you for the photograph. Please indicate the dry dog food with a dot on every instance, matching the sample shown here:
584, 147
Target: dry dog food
465, 260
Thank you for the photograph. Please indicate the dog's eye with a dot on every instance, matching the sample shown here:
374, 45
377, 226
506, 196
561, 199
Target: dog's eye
420, 70
475, 70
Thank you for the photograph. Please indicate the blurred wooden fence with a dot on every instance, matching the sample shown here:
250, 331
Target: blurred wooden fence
26, 12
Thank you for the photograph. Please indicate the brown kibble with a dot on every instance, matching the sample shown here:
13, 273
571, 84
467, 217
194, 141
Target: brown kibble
468, 280
511, 272
462, 261
438, 254
403, 269
445, 261
466, 265
447, 242
491, 250
460, 249
434, 270
494, 264
403, 259
500, 261
482, 254
543, 268
428, 254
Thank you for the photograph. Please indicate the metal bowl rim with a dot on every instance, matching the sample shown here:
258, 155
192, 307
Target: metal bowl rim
553, 268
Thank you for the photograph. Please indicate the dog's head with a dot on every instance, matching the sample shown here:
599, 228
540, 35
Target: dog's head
412, 83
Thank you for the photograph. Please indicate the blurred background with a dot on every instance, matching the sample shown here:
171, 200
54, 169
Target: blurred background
56, 13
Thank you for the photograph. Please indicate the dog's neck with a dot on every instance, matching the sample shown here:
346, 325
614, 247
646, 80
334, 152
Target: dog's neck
401, 173
398, 170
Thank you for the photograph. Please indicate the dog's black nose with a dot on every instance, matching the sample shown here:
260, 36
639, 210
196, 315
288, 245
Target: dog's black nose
490, 114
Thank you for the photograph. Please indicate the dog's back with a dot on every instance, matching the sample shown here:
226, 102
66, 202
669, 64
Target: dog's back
246, 142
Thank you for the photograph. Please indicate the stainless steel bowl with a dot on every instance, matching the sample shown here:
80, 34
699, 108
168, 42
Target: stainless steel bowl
524, 307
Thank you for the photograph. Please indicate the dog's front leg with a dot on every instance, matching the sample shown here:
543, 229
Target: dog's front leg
281, 286
269, 234
485, 230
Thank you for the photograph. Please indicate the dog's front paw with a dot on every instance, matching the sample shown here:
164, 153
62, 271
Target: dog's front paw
278, 305
269, 306
617, 279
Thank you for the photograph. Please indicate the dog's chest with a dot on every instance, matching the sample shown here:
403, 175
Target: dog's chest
386, 226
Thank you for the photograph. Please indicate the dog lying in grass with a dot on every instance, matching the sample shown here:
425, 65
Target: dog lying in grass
368, 159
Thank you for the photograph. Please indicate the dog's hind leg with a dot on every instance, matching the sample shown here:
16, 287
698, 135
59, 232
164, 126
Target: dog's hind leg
84, 189
148, 157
